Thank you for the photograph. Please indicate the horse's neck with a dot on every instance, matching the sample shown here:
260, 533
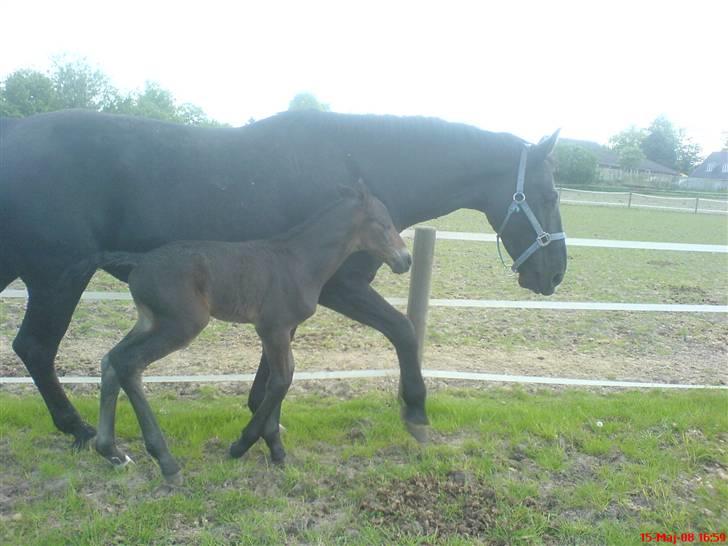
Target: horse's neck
322, 245
432, 174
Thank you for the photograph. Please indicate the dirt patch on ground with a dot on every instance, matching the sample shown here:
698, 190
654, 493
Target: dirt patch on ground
461, 505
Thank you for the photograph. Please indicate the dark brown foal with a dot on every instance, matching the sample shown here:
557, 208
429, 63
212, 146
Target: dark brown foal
274, 284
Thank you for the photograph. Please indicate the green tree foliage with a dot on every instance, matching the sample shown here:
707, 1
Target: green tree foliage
661, 142
307, 101
79, 85
630, 157
574, 165
27, 92
628, 145
75, 84
688, 154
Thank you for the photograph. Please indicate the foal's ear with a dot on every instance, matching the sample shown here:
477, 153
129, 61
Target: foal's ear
358, 190
546, 145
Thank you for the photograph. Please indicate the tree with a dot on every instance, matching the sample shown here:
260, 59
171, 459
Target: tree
630, 157
76, 84
628, 145
307, 101
79, 85
688, 153
661, 143
574, 165
631, 137
725, 140
27, 92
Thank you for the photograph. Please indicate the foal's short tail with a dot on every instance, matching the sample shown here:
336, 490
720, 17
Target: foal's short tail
88, 266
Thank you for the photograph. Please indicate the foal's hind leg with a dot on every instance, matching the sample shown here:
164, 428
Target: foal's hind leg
105, 443
277, 347
129, 360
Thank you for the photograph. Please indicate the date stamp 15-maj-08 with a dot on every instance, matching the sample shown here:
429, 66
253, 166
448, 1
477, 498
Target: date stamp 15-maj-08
686, 538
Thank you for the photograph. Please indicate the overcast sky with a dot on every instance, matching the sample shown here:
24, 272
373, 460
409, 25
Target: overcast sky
592, 68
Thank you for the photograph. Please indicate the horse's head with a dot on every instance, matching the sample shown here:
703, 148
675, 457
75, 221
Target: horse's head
376, 232
524, 209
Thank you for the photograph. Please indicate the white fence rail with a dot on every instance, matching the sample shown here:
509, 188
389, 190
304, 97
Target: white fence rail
640, 200
475, 304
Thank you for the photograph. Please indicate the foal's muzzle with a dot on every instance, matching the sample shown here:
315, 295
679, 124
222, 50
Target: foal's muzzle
400, 262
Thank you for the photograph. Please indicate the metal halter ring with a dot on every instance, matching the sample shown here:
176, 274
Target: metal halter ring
519, 197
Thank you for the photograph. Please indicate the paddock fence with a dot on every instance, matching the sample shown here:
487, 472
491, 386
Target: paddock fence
695, 205
419, 302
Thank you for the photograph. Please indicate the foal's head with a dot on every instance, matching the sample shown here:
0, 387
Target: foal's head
376, 232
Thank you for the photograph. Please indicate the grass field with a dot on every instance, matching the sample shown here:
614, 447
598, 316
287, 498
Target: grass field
504, 467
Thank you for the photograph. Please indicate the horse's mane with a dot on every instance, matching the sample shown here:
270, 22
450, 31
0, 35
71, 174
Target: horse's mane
426, 129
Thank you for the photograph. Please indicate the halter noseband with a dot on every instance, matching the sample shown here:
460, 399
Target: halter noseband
519, 203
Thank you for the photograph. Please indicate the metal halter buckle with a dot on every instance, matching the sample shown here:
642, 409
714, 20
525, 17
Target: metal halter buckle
544, 239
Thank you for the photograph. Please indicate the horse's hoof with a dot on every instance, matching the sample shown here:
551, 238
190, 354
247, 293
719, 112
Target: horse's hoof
82, 437
120, 463
421, 433
174, 480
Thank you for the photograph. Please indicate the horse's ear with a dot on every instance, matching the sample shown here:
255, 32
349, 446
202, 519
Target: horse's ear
546, 145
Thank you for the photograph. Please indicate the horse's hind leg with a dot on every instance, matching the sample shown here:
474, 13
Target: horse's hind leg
46, 320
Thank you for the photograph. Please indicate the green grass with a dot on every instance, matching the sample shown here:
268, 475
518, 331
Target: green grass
657, 463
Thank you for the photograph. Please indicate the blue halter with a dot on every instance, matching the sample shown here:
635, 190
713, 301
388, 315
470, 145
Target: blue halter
519, 204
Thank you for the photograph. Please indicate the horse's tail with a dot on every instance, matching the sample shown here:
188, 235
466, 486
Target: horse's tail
88, 266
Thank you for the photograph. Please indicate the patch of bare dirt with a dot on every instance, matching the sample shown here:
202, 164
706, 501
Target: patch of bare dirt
460, 505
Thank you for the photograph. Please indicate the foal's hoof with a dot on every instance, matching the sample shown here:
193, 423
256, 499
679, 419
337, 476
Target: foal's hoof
82, 437
120, 463
421, 433
238, 449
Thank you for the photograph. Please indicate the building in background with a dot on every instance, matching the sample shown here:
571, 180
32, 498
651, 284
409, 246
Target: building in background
710, 175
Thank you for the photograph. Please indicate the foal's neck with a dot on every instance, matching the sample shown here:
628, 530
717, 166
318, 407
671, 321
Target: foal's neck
323, 243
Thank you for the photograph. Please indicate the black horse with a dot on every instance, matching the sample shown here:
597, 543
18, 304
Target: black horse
75, 183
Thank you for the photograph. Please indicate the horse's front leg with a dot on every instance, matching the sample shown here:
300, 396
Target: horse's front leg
277, 349
353, 297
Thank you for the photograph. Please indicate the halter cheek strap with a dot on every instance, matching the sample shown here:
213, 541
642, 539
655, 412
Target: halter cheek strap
519, 204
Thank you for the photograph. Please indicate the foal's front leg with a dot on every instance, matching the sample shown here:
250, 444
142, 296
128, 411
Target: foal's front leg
277, 348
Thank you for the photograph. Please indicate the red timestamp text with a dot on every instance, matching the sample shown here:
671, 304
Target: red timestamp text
684, 538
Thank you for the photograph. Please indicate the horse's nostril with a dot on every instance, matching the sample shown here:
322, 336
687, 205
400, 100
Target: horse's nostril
557, 279
408, 259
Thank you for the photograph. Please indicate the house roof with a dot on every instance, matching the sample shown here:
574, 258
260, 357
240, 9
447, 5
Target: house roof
609, 158
715, 167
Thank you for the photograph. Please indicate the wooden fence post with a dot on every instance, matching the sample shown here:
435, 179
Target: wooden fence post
420, 281
697, 199
629, 201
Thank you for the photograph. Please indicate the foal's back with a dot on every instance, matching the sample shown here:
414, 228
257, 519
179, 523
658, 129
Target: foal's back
229, 281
